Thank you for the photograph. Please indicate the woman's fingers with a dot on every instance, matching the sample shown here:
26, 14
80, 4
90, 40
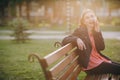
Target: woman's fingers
84, 46
80, 44
97, 26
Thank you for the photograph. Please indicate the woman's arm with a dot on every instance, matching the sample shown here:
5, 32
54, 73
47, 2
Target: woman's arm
98, 36
70, 39
99, 41
75, 40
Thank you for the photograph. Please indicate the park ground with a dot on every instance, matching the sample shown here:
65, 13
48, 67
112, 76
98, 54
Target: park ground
14, 64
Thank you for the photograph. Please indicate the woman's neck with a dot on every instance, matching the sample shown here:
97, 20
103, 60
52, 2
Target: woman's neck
89, 30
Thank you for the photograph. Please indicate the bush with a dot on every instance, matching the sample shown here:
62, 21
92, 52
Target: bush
20, 26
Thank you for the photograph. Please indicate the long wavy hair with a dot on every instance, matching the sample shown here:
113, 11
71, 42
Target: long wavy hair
84, 12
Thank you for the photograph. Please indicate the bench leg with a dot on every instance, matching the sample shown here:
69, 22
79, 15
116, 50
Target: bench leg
105, 77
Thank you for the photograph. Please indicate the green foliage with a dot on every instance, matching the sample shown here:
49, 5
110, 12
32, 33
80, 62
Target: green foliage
113, 4
20, 26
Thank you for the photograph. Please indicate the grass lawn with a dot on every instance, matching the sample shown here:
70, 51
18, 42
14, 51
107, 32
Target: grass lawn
15, 66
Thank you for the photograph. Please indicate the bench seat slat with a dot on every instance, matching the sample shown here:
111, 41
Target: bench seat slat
105, 76
115, 77
97, 77
76, 73
69, 71
64, 63
52, 57
102, 77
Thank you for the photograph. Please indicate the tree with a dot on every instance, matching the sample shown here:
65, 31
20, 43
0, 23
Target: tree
112, 5
20, 26
28, 9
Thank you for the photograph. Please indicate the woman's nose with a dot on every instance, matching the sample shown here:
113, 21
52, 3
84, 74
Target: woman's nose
93, 19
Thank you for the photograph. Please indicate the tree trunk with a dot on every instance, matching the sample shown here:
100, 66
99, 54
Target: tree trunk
28, 9
9, 12
2, 15
20, 9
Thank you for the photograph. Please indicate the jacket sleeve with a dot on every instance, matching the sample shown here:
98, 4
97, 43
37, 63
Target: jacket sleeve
71, 38
99, 41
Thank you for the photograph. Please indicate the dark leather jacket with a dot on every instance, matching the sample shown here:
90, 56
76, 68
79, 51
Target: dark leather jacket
82, 33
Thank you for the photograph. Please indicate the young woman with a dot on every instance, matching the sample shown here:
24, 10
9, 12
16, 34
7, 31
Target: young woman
89, 40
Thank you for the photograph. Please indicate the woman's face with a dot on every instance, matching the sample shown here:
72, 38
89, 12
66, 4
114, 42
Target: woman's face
90, 19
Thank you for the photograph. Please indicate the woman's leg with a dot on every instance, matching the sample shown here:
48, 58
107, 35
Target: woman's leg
104, 68
116, 63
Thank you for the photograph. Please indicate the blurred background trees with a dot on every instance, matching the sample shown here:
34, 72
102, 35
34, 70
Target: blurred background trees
54, 12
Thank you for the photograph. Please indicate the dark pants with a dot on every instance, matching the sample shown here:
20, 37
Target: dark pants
104, 68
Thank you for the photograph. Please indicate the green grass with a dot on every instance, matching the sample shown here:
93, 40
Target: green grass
5, 27
110, 28
13, 60
15, 66
112, 49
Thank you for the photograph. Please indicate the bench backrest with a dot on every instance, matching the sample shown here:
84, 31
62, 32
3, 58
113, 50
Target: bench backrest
61, 64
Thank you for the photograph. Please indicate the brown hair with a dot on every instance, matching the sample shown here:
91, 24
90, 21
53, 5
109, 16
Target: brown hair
84, 12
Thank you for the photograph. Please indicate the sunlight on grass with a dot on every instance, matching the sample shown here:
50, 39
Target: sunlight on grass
14, 64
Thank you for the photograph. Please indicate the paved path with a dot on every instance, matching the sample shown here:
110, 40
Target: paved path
36, 34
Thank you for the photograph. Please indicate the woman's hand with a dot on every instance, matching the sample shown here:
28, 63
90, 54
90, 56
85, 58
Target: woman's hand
96, 26
80, 44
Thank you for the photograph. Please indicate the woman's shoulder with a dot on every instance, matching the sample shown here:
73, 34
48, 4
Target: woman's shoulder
80, 29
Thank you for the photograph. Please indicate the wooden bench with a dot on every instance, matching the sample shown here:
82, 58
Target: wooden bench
63, 64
